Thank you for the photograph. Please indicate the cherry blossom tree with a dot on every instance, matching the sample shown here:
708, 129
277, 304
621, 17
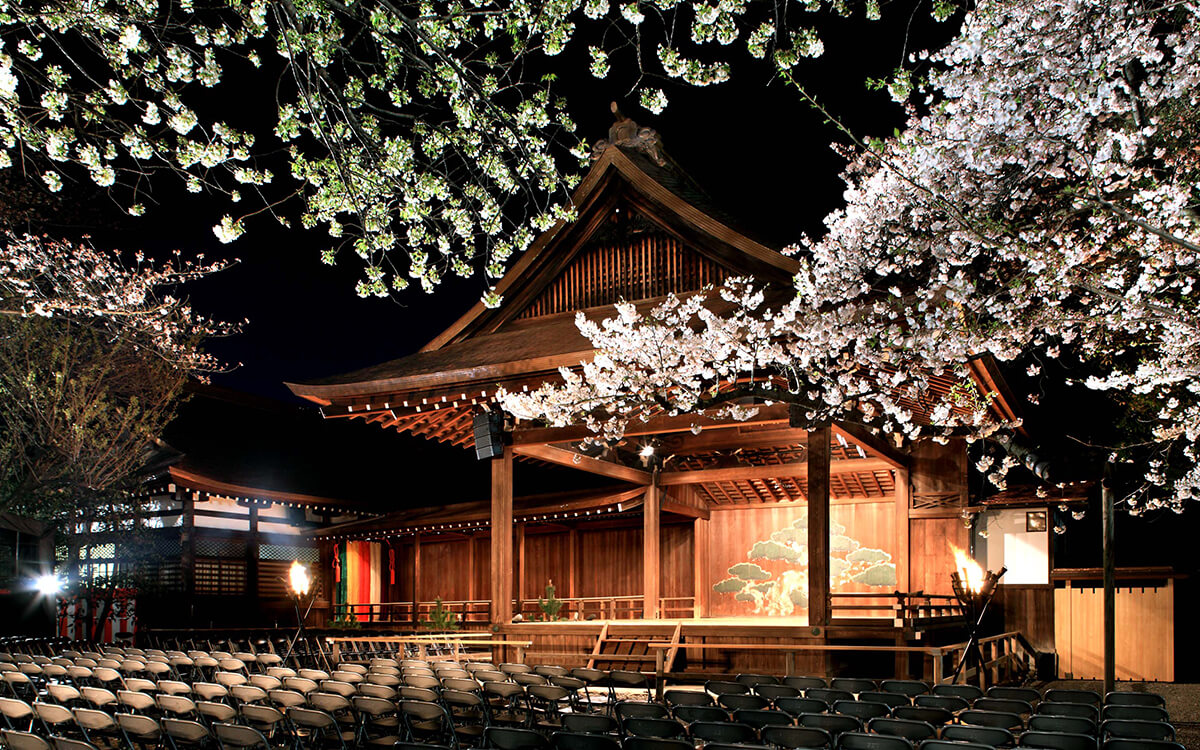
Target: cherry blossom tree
136, 302
1042, 202
427, 139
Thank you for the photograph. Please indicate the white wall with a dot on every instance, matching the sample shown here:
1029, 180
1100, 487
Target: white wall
1026, 554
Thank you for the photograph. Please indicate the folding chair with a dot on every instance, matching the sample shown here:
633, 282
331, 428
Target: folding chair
140, 731
1058, 740
867, 741
795, 738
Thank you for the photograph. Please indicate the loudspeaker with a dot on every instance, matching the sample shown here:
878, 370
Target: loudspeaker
489, 435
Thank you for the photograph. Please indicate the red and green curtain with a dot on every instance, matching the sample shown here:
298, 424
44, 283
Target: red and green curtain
358, 575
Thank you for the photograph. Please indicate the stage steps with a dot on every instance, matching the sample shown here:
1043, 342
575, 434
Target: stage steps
627, 646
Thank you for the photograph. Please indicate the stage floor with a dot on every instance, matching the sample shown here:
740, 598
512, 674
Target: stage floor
740, 622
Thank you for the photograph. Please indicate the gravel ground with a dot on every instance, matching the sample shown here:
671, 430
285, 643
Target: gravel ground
1183, 703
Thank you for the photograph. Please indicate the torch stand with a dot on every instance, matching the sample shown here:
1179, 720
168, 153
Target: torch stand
975, 604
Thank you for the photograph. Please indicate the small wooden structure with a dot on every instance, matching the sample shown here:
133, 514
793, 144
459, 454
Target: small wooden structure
751, 532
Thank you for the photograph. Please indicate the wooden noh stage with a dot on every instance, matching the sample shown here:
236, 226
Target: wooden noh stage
759, 533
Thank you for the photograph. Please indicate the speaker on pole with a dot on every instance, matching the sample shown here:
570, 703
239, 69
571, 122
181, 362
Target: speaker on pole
489, 434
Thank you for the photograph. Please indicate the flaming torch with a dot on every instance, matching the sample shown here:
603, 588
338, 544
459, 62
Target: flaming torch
299, 582
974, 588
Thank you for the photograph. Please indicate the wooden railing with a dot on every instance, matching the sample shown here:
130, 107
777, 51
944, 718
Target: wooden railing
1004, 656
897, 609
611, 608
401, 613
677, 607
480, 611
429, 647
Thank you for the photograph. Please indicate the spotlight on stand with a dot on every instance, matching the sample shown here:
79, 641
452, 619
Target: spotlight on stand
48, 584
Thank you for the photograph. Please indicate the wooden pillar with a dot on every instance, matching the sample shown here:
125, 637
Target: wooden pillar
323, 579
901, 555
1108, 550
416, 581
502, 537
701, 531
187, 544
252, 554
520, 568
572, 564
472, 587
651, 550
818, 525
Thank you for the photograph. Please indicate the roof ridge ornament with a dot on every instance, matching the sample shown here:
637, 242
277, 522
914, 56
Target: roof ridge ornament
628, 134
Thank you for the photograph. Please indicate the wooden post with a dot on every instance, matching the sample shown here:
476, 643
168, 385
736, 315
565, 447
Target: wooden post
572, 564
323, 578
700, 552
472, 588
252, 554
902, 531
659, 673
520, 569
651, 551
502, 537
416, 582
901, 556
818, 525
1110, 582
187, 543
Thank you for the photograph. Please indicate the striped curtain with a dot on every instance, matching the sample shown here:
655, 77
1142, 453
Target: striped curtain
361, 568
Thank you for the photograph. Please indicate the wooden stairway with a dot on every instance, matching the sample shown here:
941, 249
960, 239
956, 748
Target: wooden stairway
627, 646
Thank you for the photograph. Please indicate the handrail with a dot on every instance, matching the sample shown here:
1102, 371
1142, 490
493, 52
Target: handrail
457, 645
1003, 650
468, 610
907, 609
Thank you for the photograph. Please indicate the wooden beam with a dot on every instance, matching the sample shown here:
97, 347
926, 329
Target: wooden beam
502, 537
683, 509
833, 501
651, 552
874, 443
818, 526
794, 469
775, 414
740, 436
564, 457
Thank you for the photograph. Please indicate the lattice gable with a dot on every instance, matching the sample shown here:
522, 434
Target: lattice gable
642, 267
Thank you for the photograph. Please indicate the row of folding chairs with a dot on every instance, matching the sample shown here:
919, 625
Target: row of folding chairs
891, 691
